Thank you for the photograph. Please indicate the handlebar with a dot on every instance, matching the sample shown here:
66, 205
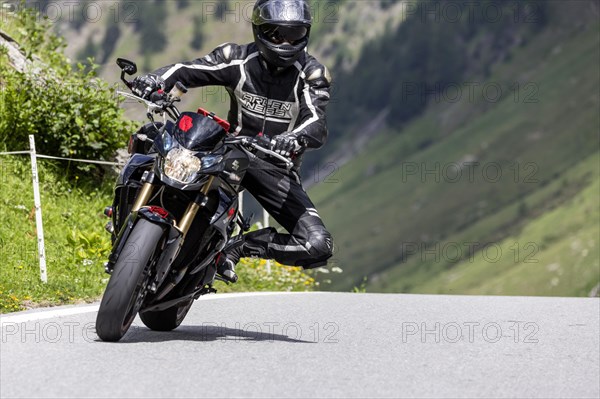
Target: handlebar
159, 102
258, 144
140, 99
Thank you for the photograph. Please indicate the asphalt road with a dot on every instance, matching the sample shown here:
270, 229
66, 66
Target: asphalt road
316, 345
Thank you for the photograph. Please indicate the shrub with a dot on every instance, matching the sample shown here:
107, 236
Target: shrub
71, 112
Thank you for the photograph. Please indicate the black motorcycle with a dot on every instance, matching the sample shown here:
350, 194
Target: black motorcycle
176, 208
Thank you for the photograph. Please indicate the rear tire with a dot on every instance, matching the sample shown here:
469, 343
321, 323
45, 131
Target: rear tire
168, 319
124, 293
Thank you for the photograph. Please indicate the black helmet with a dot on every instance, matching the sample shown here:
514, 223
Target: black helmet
281, 30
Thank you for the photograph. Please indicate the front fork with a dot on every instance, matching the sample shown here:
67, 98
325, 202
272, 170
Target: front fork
182, 226
190, 213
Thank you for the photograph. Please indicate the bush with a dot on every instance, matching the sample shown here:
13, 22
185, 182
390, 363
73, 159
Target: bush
71, 112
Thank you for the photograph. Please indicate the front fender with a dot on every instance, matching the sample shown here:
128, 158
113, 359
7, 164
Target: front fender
144, 213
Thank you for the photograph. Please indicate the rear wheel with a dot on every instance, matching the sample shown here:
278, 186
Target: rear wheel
168, 319
127, 285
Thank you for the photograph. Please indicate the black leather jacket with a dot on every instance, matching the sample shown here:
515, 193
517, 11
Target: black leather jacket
290, 101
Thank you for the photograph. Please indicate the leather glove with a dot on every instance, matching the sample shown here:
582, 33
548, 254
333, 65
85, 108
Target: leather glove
144, 86
287, 145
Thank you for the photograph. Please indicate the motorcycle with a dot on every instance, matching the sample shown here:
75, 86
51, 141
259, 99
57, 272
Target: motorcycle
176, 208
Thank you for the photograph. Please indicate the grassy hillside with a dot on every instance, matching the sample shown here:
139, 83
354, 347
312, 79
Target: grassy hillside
76, 243
486, 171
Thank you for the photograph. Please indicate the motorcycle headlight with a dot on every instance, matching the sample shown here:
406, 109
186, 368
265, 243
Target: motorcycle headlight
181, 165
210, 160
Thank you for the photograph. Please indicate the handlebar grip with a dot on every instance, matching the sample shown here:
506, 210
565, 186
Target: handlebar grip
180, 86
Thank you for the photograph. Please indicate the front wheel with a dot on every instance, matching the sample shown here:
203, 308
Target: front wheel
127, 285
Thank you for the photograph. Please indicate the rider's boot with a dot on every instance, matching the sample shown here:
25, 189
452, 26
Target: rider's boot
229, 258
254, 244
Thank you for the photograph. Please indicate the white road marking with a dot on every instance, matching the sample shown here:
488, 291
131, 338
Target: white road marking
47, 314
76, 310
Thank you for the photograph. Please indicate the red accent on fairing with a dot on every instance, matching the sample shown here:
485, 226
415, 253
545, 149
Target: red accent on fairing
157, 210
231, 213
186, 123
223, 123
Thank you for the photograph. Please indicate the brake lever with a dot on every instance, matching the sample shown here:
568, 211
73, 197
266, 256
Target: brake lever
252, 142
289, 164
151, 105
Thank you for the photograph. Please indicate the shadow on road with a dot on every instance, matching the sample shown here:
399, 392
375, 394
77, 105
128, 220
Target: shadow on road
205, 333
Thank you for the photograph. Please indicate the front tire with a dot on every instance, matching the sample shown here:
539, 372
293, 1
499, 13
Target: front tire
168, 319
124, 293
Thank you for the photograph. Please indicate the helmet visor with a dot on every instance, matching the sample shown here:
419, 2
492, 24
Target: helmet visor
278, 34
290, 12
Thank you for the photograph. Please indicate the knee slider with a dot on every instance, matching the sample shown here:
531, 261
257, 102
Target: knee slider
321, 244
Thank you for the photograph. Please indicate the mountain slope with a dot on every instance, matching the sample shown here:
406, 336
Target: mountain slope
437, 181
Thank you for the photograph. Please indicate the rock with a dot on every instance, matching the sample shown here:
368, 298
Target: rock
16, 57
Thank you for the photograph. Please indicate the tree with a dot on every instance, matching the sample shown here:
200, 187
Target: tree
113, 32
197, 35
181, 4
89, 50
151, 26
222, 6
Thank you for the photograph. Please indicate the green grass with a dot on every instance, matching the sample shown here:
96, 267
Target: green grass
377, 207
76, 244
254, 276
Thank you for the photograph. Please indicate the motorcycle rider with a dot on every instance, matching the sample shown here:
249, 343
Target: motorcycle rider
278, 90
